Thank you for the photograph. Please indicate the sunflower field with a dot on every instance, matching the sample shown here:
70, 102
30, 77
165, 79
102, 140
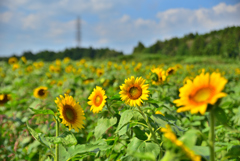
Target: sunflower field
128, 109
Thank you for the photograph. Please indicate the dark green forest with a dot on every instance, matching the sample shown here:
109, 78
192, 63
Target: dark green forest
224, 43
73, 53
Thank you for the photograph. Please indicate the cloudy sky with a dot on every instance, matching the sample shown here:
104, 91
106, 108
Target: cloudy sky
38, 25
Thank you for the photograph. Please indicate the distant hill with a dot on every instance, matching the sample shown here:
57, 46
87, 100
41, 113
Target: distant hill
225, 42
73, 53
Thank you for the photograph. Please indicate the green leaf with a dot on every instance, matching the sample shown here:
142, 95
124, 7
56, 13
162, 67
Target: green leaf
67, 139
189, 138
234, 152
103, 125
63, 153
236, 118
39, 137
170, 117
35, 104
83, 148
162, 122
201, 150
150, 100
145, 156
141, 146
126, 116
115, 97
46, 112
220, 116
139, 133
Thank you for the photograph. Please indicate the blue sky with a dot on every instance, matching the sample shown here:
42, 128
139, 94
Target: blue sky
38, 25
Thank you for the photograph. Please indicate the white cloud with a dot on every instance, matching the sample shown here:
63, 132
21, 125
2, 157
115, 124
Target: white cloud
31, 21
201, 20
5, 17
223, 8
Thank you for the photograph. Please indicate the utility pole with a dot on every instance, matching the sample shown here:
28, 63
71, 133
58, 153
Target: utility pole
78, 32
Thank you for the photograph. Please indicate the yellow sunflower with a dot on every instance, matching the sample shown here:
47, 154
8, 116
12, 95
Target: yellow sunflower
134, 91
24, 60
71, 112
40, 92
97, 99
170, 71
100, 72
203, 90
158, 76
12, 60
4, 98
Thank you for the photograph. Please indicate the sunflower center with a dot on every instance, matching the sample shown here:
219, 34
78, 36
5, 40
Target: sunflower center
135, 92
202, 95
41, 92
98, 100
170, 71
3, 99
69, 113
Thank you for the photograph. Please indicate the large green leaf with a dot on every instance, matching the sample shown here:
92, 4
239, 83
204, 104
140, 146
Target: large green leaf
70, 152
39, 137
103, 125
126, 116
202, 150
163, 121
234, 152
67, 139
139, 133
141, 146
189, 138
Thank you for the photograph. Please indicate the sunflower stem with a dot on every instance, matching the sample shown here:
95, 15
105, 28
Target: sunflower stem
211, 135
57, 146
149, 125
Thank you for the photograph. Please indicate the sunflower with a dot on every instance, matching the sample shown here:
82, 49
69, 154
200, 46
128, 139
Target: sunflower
97, 99
158, 76
100, 72
15, 66
170, 71
134, 91
24, 60
4, 98
87, 81
12, 60
71, 112
203, 90
40, 92
66, 60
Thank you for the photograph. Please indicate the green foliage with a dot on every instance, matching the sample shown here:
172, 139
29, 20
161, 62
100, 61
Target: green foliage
144, 150
118, 131
102, 125
72, 53
224, 43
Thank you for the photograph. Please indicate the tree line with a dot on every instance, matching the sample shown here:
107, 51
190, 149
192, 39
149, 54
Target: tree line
225, 42
73, 53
